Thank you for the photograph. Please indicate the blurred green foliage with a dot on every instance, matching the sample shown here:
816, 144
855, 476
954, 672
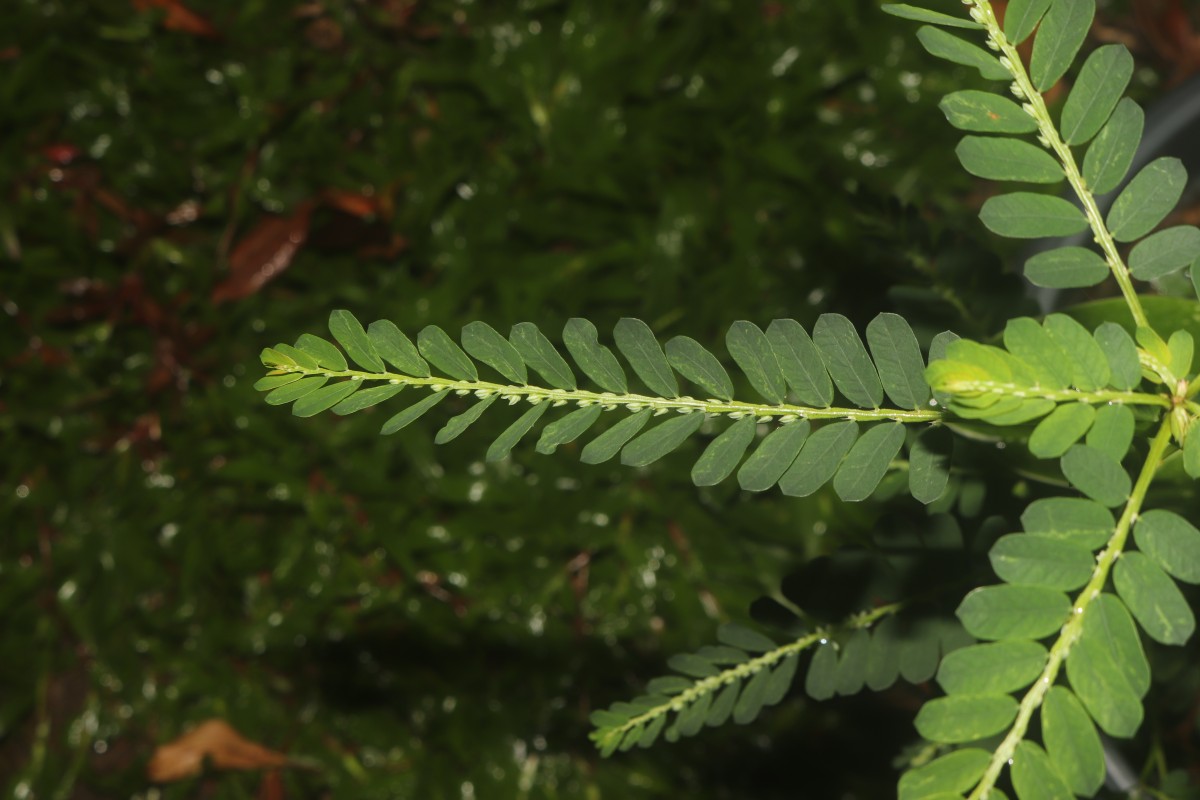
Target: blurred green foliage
409, 621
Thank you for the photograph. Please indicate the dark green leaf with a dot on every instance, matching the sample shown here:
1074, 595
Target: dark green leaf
324, 398
1123, 362
668, 684
986, 112
773, 457
1097, 474
917, 14
744, 638
692, 665
847, 360
365, 398
1109, 157
821, 681
692, 718
929, 464
723, 703
1013, 612
965, 717
750, 702
1027, 560
457, 424
483, 343
350, 334
412, 413
441, 351
1024, 215
780, 680
506, 441
636, 342
1059, 38
1021, 17
1005, 159
868, 461
397, 349
541, 356
1065, 426
1066, 268
1071, 742
852, 664
275, 381
596, 360
609, 443
992, 668
723, 453
1147, 200
1101, 83
819, 459
883, 663
567, 429
956, 50
294, 391
898, 360
692, 361
802, 365
660, 440
1153, 599
1165, 252
750, 349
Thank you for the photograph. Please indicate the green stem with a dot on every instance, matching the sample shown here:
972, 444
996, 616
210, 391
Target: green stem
978, 388
1035, 104
1073, 627
633, 402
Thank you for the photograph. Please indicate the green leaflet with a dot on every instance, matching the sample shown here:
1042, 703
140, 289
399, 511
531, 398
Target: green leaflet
950, 774
567, 429
365, 398
541, 356
722, 706
905, 11
1153, 599
1101, 83
507, 440
1003, 159
483, 343
868, 461
950, 47
847, 360
1147, 200
303, 358
766, 466
323, 352
802, 366
441, 351
271, 358
1071, 742
985, 112
750, 704
929, 464
1182, 348
883, 656
660, 440
821, 681
1033, 344
1110, 155
898, 360
1026, 560
1165, 252
324, 398
692, 665
744, 638
920, 648
780, 680
1072, 519
1059, 38
607, 444
965, 717
819, 459
275, 381
1123, 363
748, 346
636, 342
455, 426
349, 333
1107, 668
1089, 365
1033, 775
1013, 612
992, 668
412, 413
852, 663
596, 360
1112, 432
723, 453
294, 391
1097, 474
397, 349
1172, 542
1021, 17
1194, 274
1024, 215
1063, 427
1191, 453
699, 366
1066, 268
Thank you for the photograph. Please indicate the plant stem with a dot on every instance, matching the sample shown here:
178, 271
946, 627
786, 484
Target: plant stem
1073, 628
1035, 104
977, 388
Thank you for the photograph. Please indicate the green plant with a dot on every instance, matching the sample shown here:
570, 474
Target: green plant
1056, 640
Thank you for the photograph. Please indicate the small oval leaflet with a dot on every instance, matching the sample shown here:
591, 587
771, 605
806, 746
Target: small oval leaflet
965, 717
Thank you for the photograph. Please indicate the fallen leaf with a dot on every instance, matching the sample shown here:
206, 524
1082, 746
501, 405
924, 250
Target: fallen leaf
178, 17
264, 253
215, 741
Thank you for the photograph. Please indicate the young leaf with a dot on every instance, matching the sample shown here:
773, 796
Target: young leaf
457, 424
773, 457
905, 11
1153, 599
950, 47
965, 717
567, 429
412, 413
847, 360
929, 464
441, 351
483, 343
1101, 83
1123, 362
1021, 17
1112, 432
949, 775
365, 398
1172, 541
323, 352
596, 360
750, 349
1059, 38
506, 441
1066, 268
324, 398
1003, 159
607, 444
1109, 157
1013, 612
868, 461
698, 365
541, 356
723, 453
1089, 365
1147, 200
991, 668
985, 112
304, 359
1065, 426
660, 440
270, 357
819, 459
294, 391
801, 362
636, 342
1096, 474
1024, 215
1165, 252
353, 338
1033, 776
1026, 560
1071, 742
1073, 519
397, 349
898, 359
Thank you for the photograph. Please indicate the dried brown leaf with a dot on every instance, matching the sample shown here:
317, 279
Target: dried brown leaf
215, 741
264, 253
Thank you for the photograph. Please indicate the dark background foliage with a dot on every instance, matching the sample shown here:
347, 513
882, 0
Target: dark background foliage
183, 185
